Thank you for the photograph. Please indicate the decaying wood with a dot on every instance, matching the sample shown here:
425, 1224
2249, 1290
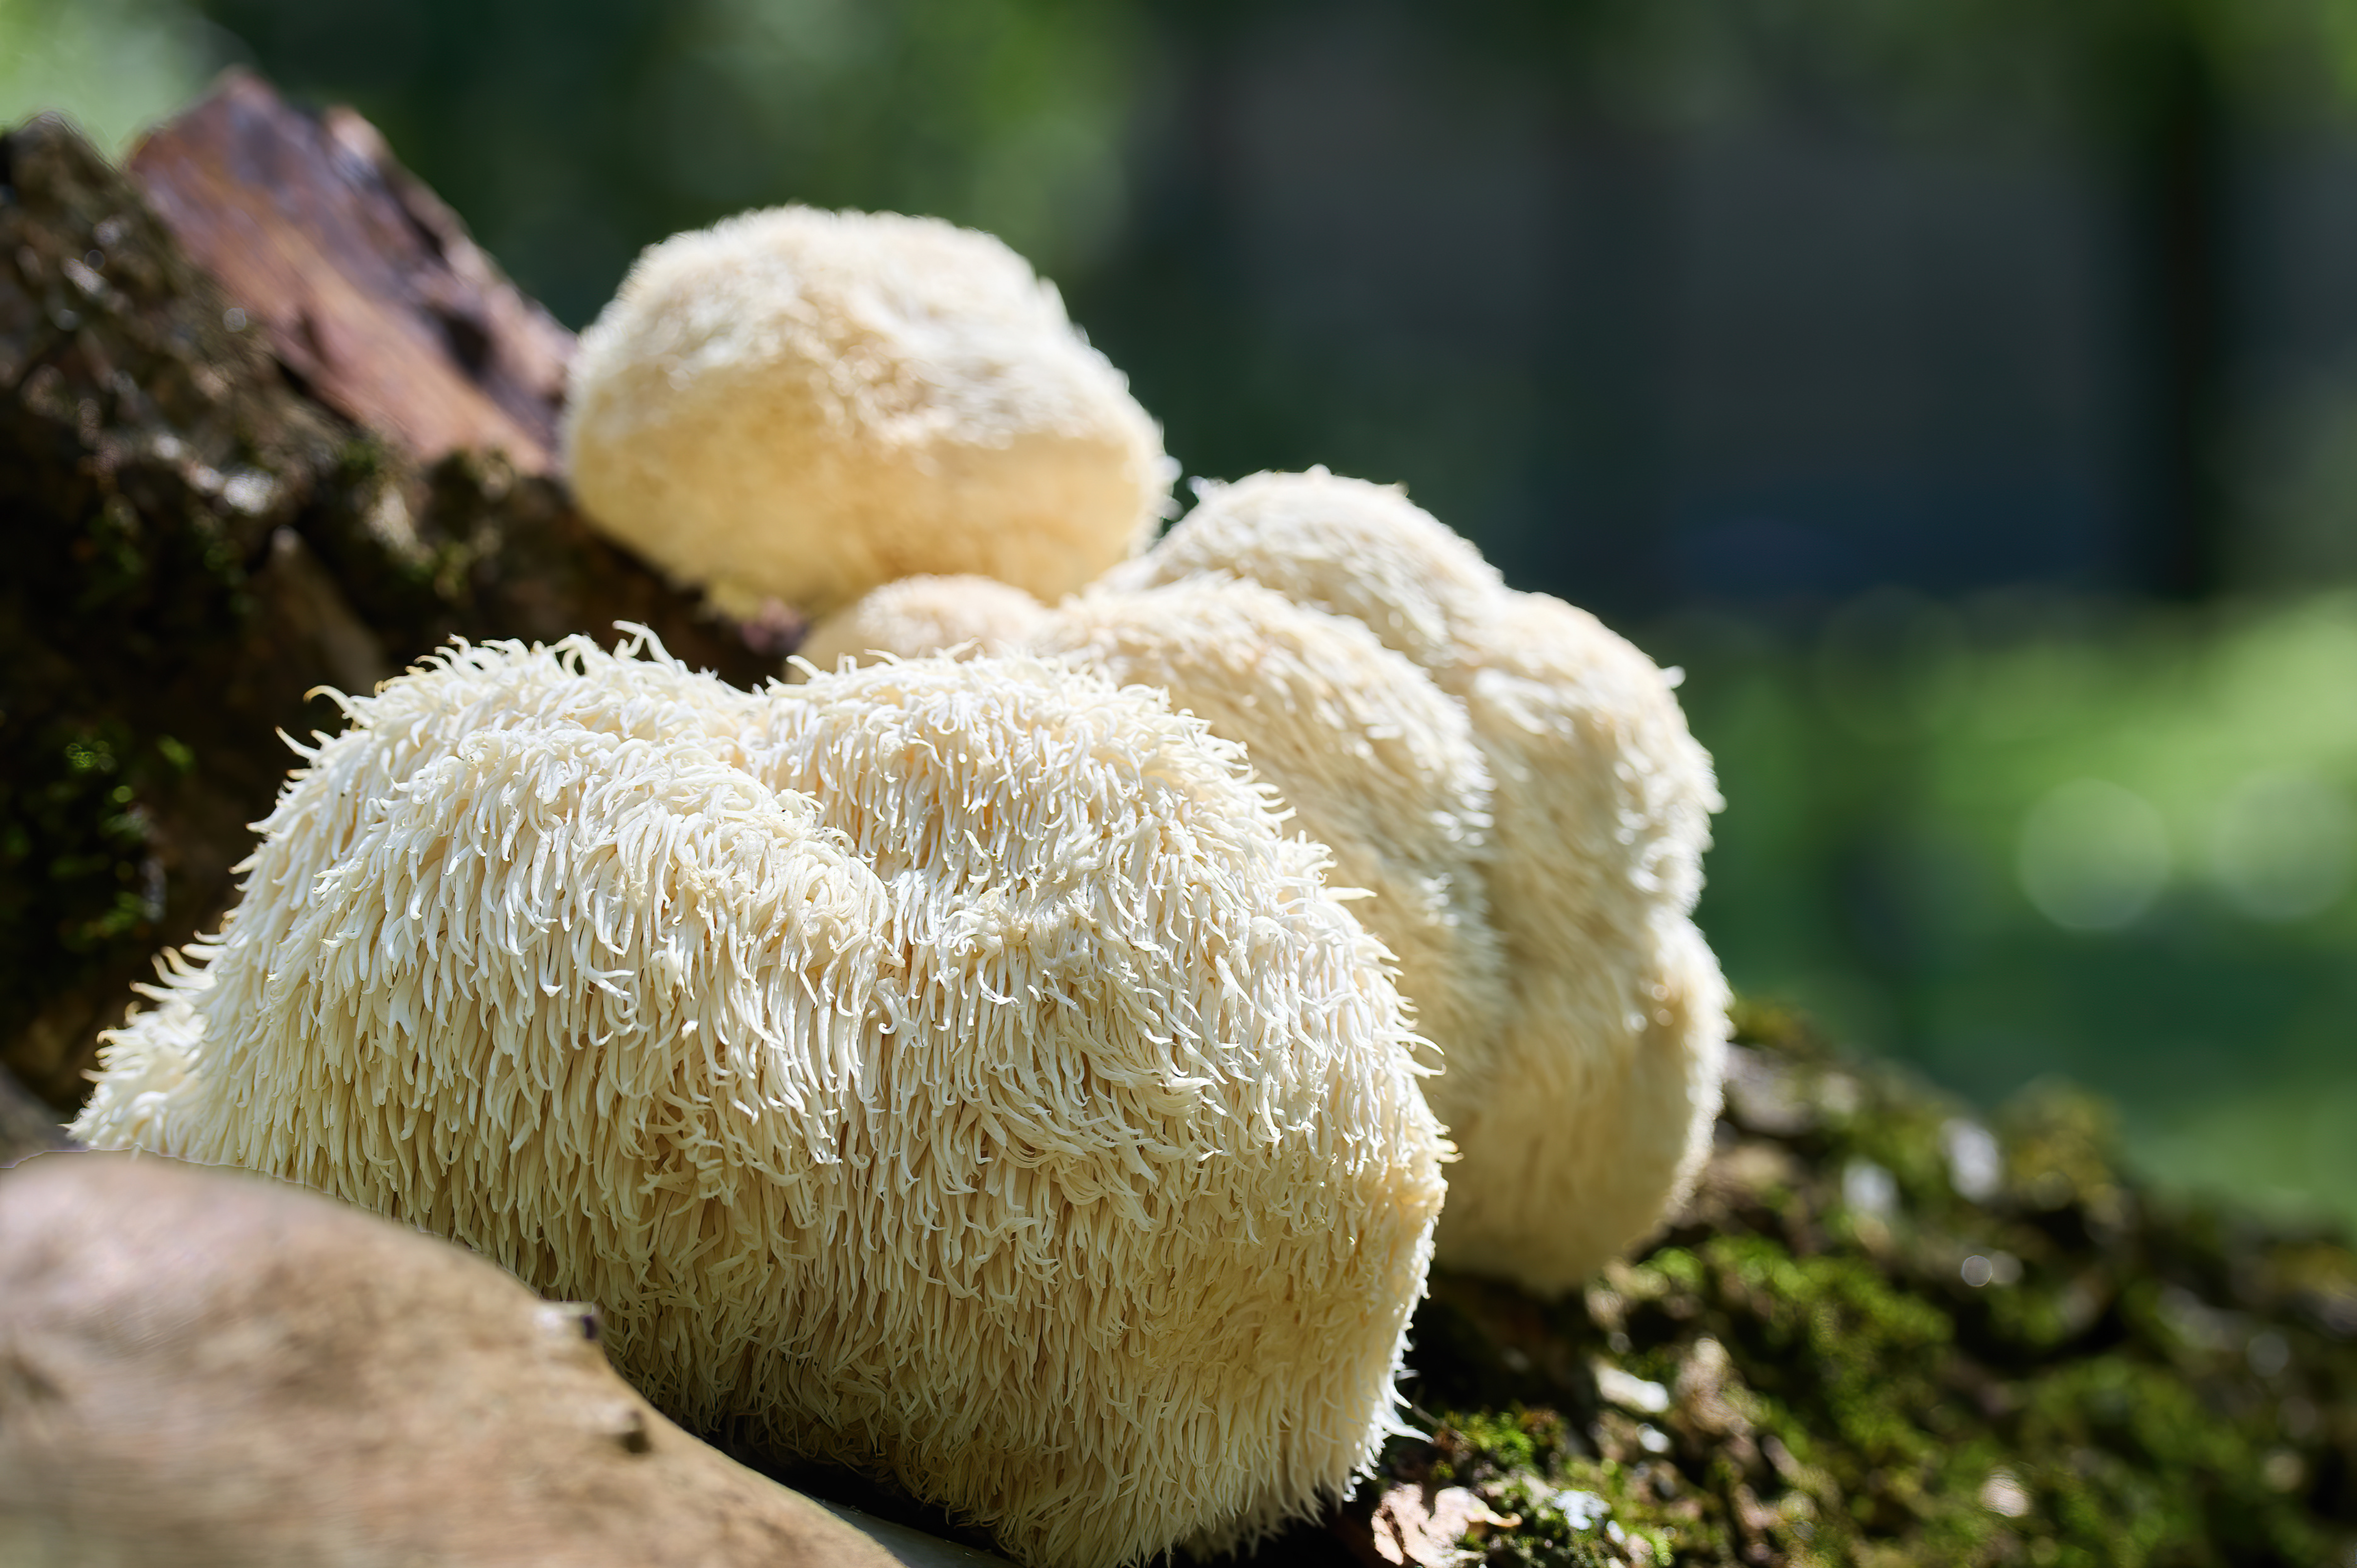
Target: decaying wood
364, 284
204, 521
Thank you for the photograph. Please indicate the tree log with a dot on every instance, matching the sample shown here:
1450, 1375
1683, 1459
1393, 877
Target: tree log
220, 496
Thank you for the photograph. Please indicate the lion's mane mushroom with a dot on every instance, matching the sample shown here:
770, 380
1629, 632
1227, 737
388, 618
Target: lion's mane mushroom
1374, 761
949, 1066
1371, 759
977, 616
1607, 1074
799, 405
1583, 1096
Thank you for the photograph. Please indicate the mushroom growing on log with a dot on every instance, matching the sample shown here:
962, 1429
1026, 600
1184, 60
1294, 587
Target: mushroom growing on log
244, 453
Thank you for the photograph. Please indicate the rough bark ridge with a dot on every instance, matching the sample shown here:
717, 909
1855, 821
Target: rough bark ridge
369, 288
216, 500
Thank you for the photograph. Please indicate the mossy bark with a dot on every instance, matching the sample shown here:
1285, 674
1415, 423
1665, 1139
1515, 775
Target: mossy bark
195, 543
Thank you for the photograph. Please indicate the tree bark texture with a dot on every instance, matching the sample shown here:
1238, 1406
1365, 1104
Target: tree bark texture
271, 422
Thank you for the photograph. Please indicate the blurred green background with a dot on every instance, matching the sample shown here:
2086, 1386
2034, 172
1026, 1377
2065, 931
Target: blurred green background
1963, 392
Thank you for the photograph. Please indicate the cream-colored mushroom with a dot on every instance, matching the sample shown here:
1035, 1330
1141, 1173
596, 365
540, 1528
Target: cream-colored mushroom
800, 406
950, 1068
1594, 1109
1373, 760
977, 617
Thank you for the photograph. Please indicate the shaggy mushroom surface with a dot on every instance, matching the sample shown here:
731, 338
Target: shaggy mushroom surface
1593, 1113
798, 405
1372, 760
946, 1066
1514, 785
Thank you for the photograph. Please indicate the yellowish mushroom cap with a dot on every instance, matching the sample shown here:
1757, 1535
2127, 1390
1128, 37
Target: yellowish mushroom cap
799, 405
977, 617
1591, 1109
1602, 805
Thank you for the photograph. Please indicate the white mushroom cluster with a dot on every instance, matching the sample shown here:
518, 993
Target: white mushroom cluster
1514, 786
798, 405
1010, 1064
955, 1068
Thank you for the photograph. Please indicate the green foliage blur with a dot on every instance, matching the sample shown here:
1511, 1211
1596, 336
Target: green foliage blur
2033, 836
573, 132
2029, 832
114, 65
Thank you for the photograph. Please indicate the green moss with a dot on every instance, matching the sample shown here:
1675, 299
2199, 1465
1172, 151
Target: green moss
79, 867
2052, 1367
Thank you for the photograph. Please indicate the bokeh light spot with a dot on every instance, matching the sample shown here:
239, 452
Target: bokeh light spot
2281, 846
2093, 856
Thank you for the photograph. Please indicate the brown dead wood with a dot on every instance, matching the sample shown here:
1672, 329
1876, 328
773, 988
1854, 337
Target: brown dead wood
269, 422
